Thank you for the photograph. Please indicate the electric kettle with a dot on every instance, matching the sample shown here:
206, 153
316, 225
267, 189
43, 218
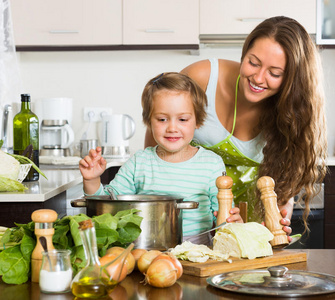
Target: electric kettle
117, 129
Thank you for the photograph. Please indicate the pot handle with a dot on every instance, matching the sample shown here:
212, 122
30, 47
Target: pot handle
79, 203
187, 205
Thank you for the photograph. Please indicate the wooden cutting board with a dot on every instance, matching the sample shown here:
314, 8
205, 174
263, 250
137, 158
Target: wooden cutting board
213, 267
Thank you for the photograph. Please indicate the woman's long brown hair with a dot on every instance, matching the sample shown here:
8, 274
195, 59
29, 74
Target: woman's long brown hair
293, 123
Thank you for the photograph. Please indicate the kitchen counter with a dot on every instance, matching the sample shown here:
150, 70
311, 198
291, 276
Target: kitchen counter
51, 193
187, 287
331, 161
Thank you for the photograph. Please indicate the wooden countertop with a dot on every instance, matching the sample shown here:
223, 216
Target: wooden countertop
187, 287
59, 180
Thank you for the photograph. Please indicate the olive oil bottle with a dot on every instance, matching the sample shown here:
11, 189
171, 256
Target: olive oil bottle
87, 283
26, 135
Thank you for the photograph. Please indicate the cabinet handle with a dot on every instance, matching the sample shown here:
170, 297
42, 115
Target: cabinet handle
63, 31
252, 19
159, 31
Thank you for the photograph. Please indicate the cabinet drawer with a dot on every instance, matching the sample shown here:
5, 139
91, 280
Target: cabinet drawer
329, 209
64, 22
241, 16
330, 181
160, 22
330, 236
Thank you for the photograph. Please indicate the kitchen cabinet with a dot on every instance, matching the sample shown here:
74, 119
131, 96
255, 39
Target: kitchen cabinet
325, 22
228, 17
330, 209
160, 22
64, 22
104, 24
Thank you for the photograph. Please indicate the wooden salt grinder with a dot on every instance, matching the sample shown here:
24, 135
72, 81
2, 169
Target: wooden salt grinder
272, 214
225, 197
44, 219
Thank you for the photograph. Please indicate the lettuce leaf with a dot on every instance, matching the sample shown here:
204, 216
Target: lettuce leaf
10, 185
15, 261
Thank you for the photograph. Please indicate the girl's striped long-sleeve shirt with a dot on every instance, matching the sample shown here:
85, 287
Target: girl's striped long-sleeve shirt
193, 180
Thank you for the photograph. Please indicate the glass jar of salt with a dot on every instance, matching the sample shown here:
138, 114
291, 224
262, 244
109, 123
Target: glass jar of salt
56, 271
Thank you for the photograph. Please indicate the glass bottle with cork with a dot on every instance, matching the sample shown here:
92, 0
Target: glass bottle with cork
26, 135
94, 281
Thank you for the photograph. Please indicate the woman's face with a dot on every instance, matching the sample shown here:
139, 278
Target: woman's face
262, 70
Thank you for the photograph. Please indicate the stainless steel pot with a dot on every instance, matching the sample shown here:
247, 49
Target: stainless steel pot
162, 216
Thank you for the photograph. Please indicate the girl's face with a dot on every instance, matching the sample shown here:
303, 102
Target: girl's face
173, 123
262, 70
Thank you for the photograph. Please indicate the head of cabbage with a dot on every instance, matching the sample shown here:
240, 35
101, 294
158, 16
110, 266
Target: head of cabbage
246, 240
9, 171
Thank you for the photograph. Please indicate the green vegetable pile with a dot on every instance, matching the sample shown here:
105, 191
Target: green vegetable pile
18, 243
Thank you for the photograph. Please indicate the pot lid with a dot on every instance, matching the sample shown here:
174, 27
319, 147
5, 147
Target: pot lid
275, 281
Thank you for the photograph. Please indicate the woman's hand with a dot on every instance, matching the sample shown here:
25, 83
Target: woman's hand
286, 222
93, 165
234, 217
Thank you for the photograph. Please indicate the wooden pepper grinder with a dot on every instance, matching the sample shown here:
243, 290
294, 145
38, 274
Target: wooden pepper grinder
44, 219
272, 214
225, 197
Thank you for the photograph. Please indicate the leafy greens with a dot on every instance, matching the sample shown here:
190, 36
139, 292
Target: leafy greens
118, 230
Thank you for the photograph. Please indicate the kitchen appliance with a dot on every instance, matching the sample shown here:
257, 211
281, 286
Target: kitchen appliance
117, 129
87, 145
162, 216
56, 133
56, 138
7, 129
316, 222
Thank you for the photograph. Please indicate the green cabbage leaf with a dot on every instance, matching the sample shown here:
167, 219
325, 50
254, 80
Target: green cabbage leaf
246, 240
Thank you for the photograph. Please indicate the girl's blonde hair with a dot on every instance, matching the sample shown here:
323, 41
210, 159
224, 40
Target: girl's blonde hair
293, 122
173, 81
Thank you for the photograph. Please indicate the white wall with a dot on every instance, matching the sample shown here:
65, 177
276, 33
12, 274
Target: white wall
117, 78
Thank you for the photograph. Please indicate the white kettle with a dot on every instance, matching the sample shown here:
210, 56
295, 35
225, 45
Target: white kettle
117, 129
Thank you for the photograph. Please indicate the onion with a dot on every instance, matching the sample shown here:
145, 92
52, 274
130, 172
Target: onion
145, 260
137, 253
177, 264
116, 271
130, 260
161, 273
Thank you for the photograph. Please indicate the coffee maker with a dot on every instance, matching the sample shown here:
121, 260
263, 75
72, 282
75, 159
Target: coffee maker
56, 133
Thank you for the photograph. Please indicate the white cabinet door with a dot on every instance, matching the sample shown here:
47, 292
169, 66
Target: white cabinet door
67, 22
241, 16
160, 22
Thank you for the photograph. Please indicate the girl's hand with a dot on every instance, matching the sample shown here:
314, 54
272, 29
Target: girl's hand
93, 165
234, 217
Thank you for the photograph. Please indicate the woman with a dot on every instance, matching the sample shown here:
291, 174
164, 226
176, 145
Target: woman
266, 115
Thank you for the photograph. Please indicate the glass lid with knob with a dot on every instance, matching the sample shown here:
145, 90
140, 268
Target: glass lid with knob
276, 281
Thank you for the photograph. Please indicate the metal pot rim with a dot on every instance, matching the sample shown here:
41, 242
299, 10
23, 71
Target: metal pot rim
137, 198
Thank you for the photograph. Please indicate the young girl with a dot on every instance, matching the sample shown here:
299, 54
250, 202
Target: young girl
173, 107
